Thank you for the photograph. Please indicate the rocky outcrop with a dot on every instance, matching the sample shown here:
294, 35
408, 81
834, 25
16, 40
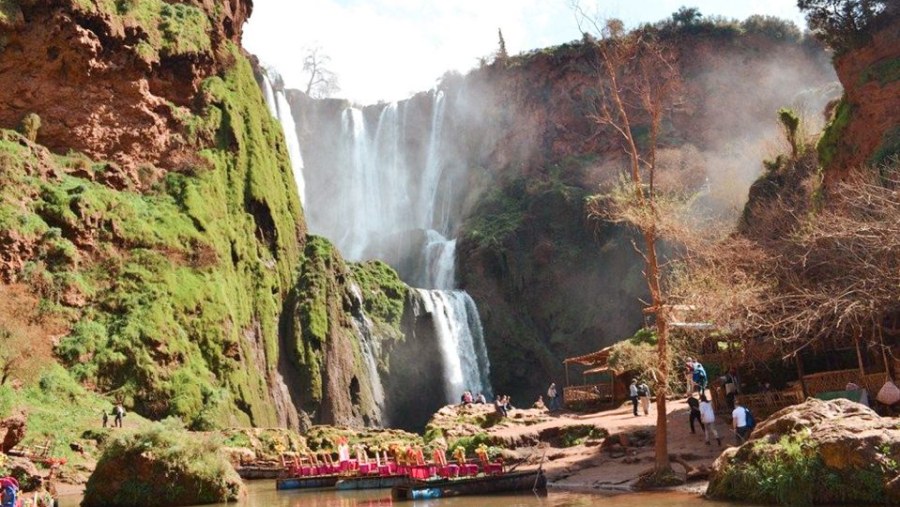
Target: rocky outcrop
114, 80
865, 125
162, 466
819, 452
13, 429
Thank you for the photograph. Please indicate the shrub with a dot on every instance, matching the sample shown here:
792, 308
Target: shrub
30, 125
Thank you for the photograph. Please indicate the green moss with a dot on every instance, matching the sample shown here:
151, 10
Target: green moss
886, 71
579, 434
184, 285
168, 29
384, 294
829, 143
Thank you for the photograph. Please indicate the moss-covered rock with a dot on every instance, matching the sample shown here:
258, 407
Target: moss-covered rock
162, 465
819, 452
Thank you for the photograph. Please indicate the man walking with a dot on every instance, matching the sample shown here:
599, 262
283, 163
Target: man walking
644, 395
633, 394
739, 422
695, 413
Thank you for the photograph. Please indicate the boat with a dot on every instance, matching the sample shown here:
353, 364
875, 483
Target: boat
310, 482
483, 485
372, 482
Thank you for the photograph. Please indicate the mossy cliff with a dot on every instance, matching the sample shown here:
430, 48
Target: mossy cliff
154, 213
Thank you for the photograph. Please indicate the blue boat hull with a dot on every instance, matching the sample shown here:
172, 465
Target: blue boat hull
316, 482
486, 485
374, 482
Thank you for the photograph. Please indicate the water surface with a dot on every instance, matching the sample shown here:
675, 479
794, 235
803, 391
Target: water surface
263, 494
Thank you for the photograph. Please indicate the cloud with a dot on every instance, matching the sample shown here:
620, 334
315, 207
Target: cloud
388, 49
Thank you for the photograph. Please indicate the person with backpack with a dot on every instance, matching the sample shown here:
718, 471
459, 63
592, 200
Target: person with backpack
633, 394
699, 377
742, 421
644, 396
708, 420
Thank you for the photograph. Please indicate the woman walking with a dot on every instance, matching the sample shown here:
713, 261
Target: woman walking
708, 418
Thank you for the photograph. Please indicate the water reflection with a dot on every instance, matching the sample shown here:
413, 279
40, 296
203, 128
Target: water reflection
263, 494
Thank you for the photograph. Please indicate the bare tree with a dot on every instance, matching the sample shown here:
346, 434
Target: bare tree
637, 83
322, 81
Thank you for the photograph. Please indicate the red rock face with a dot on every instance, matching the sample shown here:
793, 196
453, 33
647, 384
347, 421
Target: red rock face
95, 93
875, 103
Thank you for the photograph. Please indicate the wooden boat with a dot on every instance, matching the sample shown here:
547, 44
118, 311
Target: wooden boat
372, 482
484, 485
311, 482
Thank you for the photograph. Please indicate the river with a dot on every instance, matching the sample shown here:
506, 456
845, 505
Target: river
263, 494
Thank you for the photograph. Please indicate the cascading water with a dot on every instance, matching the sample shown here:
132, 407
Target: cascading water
385, 186
281, 110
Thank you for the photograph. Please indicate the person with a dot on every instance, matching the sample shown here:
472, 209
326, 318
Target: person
105, 418
481, 399
708, 420
119, 413
507, 403
699, 377
644, 395
739, 422
499, 406
689, 375
633, 394
730, 388
695, 413
539, 404
551, 397
467, 398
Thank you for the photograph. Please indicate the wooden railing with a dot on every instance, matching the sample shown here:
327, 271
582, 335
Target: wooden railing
837, 381
588, 393
765, 404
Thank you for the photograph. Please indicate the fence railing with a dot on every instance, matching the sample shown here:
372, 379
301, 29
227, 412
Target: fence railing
588, 393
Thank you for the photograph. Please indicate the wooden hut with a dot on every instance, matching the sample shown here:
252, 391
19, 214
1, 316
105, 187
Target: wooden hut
600, 384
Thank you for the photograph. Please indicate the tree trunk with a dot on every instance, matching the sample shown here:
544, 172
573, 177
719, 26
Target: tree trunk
662, 330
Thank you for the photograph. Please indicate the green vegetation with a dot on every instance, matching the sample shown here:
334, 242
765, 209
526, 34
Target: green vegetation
791, 471
31, 123
182, 469
167, 29
790, 123
829, 143
59, 409
886, 71
844, 24
570, 436
178, 278
384, 294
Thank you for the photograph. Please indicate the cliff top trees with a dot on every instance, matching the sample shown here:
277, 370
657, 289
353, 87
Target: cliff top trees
637, 84
842, 24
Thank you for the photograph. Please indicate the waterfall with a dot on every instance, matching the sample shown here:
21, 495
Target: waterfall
460, 339
281, 110
293, 143
382, 190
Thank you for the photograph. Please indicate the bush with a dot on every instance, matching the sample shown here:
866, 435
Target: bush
30, 125
162, 465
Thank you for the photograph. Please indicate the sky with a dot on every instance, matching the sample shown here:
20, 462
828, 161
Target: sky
389, 49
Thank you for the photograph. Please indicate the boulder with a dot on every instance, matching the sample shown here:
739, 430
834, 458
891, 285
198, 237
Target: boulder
25, 472
818, 452
13, 430
162, 466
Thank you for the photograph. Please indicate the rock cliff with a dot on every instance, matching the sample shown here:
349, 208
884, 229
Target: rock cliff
864, 128
150, 205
